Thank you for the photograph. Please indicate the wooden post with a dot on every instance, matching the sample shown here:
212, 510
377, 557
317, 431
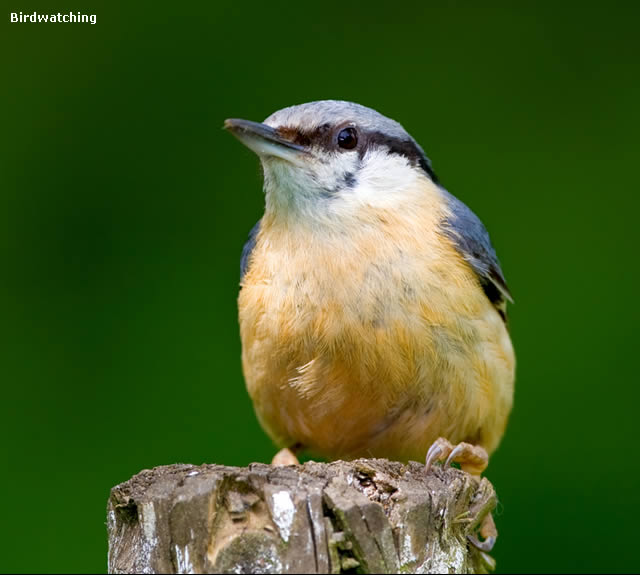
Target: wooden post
363, 516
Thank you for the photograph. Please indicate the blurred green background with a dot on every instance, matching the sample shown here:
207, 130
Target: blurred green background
124, 208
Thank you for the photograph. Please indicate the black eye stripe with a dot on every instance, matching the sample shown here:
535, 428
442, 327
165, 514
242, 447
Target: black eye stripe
403, 147
325, 138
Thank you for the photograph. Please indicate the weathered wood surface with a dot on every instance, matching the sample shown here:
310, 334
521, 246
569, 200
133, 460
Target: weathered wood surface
363, 516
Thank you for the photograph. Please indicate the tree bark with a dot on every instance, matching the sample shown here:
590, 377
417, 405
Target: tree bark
363, 516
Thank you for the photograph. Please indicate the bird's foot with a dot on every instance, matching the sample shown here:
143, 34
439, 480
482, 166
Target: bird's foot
489, 534
285, 457
472, 458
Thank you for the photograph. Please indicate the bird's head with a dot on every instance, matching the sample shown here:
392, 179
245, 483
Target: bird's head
331, 157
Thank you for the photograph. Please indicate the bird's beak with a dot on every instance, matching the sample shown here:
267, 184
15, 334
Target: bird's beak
264, 140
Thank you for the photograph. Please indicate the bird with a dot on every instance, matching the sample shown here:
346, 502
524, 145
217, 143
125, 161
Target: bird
372, 305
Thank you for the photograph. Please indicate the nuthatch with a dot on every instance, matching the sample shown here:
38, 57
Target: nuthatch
372, 305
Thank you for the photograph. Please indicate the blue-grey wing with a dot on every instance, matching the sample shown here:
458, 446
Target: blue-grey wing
472, 240
247, 249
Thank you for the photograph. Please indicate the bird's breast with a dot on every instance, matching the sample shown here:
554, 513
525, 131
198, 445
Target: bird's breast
360, 343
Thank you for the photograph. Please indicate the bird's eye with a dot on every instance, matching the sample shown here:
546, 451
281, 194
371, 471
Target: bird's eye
348, 138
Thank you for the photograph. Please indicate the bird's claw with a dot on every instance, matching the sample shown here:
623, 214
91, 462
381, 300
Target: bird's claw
489, 534
472, 458
486, 546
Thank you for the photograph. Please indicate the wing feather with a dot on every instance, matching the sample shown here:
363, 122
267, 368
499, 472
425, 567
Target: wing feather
472, 240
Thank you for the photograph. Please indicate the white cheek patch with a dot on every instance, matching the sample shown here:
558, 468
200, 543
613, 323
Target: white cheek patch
323, 176
383, 177
338, 184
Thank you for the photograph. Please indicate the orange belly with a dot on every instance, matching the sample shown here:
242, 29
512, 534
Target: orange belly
373, 342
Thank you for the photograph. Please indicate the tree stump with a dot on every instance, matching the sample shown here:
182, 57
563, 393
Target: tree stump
362, 516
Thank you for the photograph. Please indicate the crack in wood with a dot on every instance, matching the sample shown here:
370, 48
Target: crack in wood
342, 517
